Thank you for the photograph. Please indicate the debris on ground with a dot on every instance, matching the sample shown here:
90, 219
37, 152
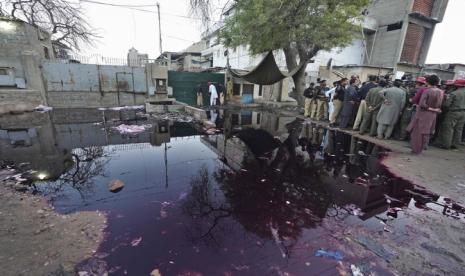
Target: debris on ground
75, 236
174, 116
208, 124
115, 186
43, 108
136, 242
132, 129
337, 255
119, 108
155, 272
355, 270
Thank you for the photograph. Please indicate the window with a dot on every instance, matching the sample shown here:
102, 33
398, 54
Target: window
259, 117
3, 71
260, 90
236, 89
394, 26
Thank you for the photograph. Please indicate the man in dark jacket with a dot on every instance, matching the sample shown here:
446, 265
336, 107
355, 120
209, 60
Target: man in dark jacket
362, 93
321, 100
350, 98
310, 101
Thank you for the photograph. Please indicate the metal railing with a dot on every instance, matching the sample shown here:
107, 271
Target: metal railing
102, 60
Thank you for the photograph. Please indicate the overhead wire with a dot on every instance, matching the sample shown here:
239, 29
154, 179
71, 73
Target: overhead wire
138, 8
117, 5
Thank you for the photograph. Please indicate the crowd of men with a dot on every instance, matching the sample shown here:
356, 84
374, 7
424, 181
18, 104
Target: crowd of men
424, 111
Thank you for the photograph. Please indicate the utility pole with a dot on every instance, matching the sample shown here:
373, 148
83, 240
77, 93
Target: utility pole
159, 28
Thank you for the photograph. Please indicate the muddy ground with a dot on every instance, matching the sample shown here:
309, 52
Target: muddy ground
35, 240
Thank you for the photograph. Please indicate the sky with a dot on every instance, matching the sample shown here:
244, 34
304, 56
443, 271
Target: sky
449, 40
122, 28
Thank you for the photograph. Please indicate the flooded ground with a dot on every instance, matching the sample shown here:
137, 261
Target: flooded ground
265, 195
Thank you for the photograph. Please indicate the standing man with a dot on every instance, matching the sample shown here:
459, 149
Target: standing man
420, 85
422, 125
338, 99
199, 93
221, 93
350, 98
362, 93
406, 116
374, 100
450, 131
309, 95
322, 100
213, 94
330, 96
391, 109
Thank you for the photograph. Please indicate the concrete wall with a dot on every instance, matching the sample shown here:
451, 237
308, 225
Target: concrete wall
391, 11
17, 40
385, 46
93, 99
60, 77
459, 71
90, 85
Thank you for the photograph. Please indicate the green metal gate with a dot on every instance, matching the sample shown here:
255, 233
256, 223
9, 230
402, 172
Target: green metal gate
184, 85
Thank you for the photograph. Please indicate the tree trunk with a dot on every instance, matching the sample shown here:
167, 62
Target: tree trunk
291, 55
299, 82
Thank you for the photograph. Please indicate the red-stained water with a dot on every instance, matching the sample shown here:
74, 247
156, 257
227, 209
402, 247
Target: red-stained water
189, 207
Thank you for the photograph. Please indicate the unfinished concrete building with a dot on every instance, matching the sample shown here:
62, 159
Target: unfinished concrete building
404, 32
398, 39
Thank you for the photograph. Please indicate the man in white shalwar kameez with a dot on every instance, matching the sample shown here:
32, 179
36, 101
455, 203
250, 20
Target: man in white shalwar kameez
213, 94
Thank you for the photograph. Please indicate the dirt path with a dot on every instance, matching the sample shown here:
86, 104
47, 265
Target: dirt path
35, 240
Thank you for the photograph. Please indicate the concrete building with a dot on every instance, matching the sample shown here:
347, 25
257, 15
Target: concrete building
189, 59
450, 71
404, 33
22, 48
136, 59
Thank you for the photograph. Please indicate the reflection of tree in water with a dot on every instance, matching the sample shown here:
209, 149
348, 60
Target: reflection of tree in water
86, 164
204, 204
275, 200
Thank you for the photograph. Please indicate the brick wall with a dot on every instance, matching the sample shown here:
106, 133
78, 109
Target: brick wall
424, 7
413, 43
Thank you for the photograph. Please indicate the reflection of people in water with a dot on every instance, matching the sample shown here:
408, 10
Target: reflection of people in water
275, 202
213, 115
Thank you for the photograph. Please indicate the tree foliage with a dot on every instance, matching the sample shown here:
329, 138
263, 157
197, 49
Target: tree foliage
307, 25
300, 28
64, 20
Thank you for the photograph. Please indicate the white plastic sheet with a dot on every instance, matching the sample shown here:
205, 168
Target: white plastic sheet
132, 129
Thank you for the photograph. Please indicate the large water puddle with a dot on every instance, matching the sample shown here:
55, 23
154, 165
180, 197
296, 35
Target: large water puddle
260, 197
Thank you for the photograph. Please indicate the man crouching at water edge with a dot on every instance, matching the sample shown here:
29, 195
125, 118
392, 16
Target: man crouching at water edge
423, 124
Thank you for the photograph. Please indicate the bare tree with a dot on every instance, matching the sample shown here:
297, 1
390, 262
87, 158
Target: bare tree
64, 20
201, 8
205, 8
